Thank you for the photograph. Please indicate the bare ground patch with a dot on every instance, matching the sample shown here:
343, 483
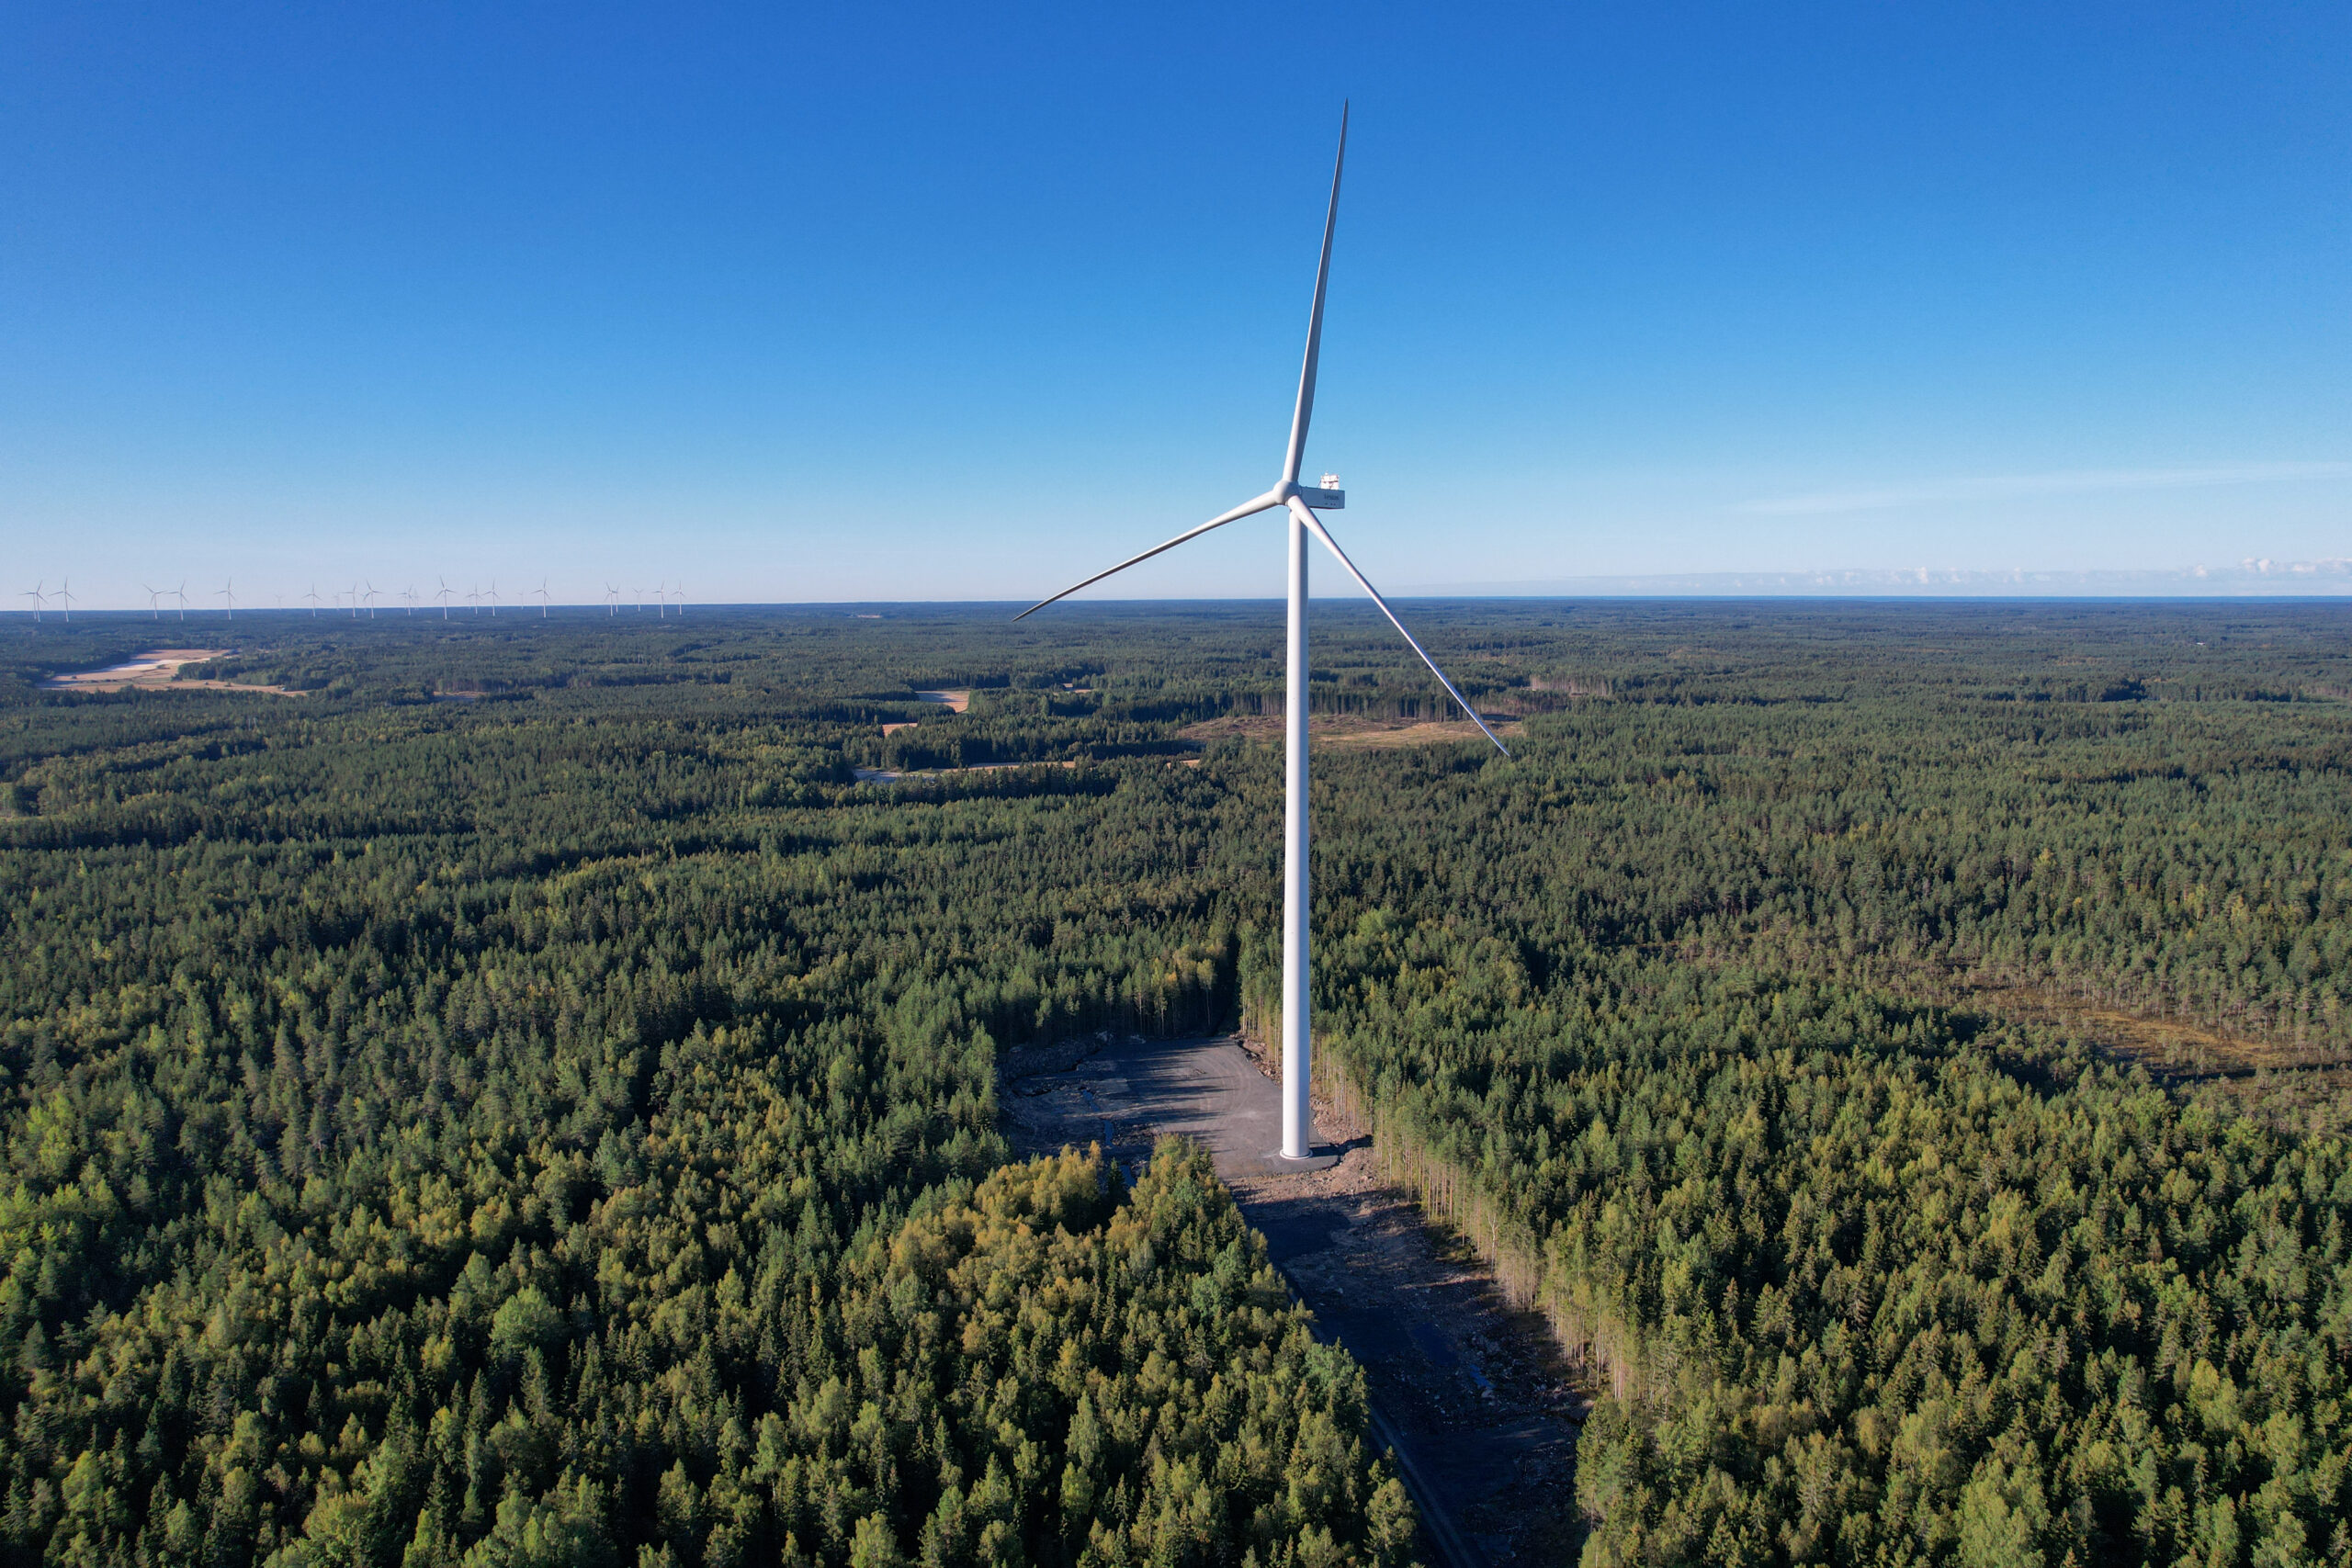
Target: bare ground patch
1343, 731
157, 670
2305, 1087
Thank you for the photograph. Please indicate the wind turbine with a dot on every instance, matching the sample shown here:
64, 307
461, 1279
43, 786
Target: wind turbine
494, 598
542, 592
408, 597
39, 599
682, 599
181, 592
229, 591
443, 595
154, 597
65, 592
1300, 502
371, 601
313, 597
612, 600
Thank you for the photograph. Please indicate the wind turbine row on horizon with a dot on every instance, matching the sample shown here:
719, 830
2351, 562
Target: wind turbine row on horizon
360, 598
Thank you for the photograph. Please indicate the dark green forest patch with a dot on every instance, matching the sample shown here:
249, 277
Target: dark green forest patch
485, 1130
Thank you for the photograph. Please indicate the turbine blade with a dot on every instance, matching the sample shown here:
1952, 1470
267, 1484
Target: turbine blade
1265, 502
1305, 411
1315, 526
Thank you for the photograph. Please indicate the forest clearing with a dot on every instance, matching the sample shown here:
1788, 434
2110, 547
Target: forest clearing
157, 669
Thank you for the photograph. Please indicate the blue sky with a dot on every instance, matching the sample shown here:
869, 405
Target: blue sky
912, 302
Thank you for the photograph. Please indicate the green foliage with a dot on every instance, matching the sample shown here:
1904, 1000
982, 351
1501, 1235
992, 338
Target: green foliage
559, 1125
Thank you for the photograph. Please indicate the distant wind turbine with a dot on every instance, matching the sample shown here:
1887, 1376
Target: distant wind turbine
181, 592
39, 599
542, 592
371, 601
408, 596
229, 591
1300, 502
154, 598
65, 594
640, 599
494, 598
445, 594
313, 597
682, 598
612, 600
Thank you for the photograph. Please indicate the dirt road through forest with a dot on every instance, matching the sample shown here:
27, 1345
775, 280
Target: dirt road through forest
1471, 1394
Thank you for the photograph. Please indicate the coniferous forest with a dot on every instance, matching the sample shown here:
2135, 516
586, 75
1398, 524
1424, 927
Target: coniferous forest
531, 1097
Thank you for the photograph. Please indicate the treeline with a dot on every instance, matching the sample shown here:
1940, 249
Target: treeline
1871, 1284
453, 1133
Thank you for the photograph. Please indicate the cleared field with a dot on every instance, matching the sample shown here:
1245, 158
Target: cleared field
1344, 732
156, 670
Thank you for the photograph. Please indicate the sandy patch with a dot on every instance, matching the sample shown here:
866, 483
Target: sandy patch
892, 775
157, 670
1344, 732
954, 702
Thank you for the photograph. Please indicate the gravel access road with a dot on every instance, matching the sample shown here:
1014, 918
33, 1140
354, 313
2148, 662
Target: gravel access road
1470, 1395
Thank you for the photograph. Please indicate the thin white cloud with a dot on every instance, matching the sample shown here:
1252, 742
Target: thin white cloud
2010, 487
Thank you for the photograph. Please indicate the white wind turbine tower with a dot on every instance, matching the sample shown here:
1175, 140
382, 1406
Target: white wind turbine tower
542, 592
229, 591
313, 597
408, 597
612, 600
154, 601
494, 598
443, 595
39, 599
181, 593
1300, 502
65, 593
